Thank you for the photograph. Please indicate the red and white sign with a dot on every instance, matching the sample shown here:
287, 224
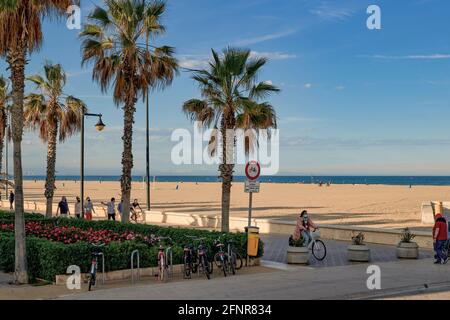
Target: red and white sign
252, 170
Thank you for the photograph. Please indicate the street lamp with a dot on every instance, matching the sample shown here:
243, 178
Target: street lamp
99, 126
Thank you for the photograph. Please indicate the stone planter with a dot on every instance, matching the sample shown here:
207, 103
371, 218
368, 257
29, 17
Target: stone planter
408, 250
298, 255
358, 253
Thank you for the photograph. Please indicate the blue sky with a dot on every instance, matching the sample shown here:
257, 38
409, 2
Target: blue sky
353, 101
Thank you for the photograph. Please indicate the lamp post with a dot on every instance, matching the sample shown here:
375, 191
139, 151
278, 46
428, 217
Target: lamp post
99, 126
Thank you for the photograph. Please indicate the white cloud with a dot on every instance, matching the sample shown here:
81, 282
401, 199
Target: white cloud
435, 56
307, 86
200, 61
273, 55
340, 88
264, 38
328, 11
193, 61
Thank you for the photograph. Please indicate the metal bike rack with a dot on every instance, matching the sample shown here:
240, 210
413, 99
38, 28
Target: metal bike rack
133, 254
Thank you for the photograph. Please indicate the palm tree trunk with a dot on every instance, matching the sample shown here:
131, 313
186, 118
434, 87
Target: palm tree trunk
226, 173
16, 61
51, 166
127, 157
2, 145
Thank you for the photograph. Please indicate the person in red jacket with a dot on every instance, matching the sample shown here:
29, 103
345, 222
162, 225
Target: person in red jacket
440, 238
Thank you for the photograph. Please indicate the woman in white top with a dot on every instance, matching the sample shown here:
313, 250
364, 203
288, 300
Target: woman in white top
88, 209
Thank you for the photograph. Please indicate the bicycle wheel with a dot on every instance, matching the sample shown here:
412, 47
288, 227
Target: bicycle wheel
91, 281
162, 270
239, 262
232, 264
218, 260
187, 267
319, 250
224, 265
205, 267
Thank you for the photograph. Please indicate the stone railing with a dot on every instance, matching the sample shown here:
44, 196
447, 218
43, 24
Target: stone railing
266, 226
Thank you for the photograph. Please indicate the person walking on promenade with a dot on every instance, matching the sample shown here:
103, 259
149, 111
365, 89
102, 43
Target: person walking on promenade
111, 209
78, 208
134, 206
440, 239
88, 209
11, 200
120, 207
63, 208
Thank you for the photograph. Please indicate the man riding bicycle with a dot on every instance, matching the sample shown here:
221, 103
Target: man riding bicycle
304, 226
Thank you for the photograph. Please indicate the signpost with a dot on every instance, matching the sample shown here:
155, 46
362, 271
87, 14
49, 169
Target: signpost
252, 171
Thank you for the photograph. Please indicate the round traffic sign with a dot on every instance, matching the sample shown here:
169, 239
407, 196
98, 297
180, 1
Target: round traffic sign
252, 170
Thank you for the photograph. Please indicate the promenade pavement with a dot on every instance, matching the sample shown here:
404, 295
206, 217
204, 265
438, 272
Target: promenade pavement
275, 249
342, 282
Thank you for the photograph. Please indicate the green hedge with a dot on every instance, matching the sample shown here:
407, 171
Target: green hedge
48, 258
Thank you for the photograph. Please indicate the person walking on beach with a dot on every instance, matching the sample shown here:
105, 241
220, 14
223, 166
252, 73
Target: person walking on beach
303, 227
11, 200
440, 238
63, 208
88, 209
78, 208
111, 209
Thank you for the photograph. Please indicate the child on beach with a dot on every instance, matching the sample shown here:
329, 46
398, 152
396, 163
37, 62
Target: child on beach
440, 238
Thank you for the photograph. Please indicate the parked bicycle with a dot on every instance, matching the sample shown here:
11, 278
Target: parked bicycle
235, 257
164, 258
96, 253
222, 259
196, 259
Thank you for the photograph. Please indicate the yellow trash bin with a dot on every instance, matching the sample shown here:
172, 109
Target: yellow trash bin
252, 241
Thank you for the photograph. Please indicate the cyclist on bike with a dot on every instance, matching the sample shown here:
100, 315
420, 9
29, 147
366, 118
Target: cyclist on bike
304, 226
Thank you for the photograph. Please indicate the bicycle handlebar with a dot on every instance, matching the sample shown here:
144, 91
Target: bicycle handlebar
97, 245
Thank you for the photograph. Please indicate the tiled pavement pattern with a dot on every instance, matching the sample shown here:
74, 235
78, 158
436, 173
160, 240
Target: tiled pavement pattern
275, 247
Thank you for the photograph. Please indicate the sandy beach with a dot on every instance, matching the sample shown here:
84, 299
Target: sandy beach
364, 205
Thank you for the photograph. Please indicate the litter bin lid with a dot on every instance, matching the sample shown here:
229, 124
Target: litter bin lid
252, 229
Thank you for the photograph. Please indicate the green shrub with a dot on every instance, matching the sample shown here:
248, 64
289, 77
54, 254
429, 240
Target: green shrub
48, 258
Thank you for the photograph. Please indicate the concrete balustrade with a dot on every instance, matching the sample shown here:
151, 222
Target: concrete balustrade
332, 232
266, 226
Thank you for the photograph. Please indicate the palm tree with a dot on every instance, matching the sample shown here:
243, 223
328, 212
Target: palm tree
53, 117
231, 95
21, 34
4, 97
116, 43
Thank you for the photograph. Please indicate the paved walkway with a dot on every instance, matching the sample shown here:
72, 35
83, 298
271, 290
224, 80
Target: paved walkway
275, 247
345, 282
5, 279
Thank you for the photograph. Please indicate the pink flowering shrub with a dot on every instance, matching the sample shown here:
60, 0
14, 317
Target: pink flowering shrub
68, 235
